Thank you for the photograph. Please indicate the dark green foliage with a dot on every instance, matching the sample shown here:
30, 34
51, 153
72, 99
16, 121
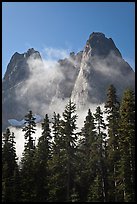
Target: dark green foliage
69, 137
29, 129
112, 110
42, 156
94, 164
95, 190
127, 147
10, 171
27, 165
101, 171
57, 181
87, 153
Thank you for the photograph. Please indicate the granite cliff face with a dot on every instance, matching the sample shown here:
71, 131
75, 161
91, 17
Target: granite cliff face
101, 65
84, 77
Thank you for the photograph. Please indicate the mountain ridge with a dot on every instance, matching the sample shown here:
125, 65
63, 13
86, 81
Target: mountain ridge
84, 77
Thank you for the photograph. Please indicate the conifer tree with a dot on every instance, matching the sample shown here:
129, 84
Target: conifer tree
69, 137
87, 157
95, 190
112, 111
29, 129
127, 147
27, 166
10, 170
57, 163
42, 156
101, 160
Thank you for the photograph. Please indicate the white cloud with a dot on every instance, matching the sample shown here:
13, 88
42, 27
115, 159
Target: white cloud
40, 85
108, 66
51, 53
20, 140
83, 113
19, 134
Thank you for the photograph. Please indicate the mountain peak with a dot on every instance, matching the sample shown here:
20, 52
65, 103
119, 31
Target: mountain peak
18, 69
101, 45
96, 34
32, 52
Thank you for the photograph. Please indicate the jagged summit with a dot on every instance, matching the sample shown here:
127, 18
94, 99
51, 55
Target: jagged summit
32, 52
96, 34
101, 45
20, 56
17, 69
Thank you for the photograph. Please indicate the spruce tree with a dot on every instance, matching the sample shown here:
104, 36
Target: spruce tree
95, 190
27, 166
10, 170
29, 129
127, 147
42, 156
87, 152
69, 137
57, 162
101, 160
112, 111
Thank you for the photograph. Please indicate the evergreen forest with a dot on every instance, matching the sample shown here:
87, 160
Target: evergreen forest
93, 164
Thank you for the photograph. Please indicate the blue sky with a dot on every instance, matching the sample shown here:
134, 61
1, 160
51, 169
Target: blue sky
66, 25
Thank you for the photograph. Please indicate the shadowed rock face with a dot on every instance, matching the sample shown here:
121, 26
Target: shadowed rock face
16, 74
101, 45
85, 78
17, 69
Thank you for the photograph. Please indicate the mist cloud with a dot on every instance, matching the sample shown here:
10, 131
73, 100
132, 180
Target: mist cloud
20, 140
41, 84
51, 53
19, 134
40, 92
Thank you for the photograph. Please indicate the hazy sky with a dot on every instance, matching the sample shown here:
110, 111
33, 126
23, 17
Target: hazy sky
66, 25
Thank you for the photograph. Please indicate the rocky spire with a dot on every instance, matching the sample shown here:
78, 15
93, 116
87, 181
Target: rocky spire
99, 45
17, 69
101, 65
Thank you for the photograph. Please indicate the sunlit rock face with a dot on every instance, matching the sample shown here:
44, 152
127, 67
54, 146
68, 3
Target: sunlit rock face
101, 65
